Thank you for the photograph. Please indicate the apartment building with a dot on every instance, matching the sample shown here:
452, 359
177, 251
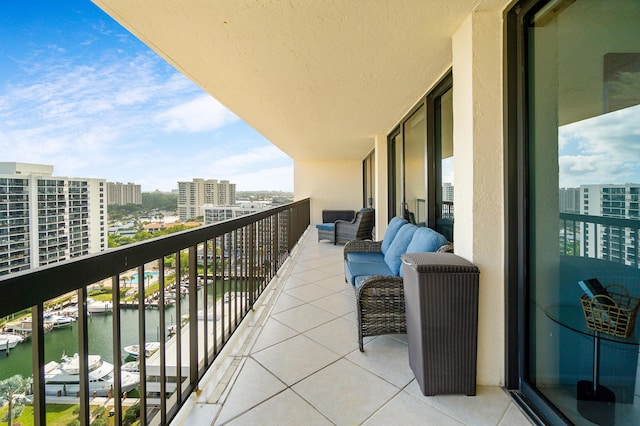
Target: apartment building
192, 196
214, 214
614, 237
46, 219
122, 194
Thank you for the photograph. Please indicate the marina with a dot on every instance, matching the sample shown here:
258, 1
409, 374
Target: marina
63, 340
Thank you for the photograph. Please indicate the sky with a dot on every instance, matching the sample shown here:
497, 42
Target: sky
600, 150
79, 92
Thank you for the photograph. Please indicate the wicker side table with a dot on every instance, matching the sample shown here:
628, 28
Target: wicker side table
441, 300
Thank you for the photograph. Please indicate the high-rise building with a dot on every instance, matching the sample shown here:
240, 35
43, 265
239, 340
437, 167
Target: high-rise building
122, 194
569, 200
214, 214
192, 196
614, 231
46, 219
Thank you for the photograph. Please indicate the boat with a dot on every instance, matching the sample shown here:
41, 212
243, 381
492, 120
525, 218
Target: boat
9, 341
99, 306
63, 378
149, 349
57, 320
131, 366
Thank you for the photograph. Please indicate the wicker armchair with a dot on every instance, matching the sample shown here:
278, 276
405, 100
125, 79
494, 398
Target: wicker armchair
360, 228
379, 300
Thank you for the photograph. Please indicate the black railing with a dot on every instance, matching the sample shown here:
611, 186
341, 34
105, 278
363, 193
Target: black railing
600, 237
218, 271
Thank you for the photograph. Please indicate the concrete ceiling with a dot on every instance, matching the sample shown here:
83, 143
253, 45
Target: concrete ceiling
318, 78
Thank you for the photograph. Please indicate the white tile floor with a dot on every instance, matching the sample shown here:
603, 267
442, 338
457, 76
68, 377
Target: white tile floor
295, 360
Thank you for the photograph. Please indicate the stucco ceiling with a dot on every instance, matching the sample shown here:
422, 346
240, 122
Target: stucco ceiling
318, 78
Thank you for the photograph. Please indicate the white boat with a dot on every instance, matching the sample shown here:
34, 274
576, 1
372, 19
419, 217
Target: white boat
131, 366
149, 349
99, 306
63, 377
57, 320
9, 341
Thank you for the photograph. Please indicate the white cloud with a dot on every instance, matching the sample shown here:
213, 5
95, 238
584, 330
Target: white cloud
602, 149
197, 115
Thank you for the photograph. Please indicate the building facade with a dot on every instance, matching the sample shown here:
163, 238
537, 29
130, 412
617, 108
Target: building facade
46, 219
122, 194
192, 196
214, 214
613, 233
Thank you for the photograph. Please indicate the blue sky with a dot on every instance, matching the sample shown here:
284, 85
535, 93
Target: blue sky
79, 92
601, 150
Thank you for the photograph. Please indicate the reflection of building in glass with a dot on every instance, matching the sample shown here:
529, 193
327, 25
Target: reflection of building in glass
569, 200
447, 192
46, 219
193, 195
612, 233
122, 194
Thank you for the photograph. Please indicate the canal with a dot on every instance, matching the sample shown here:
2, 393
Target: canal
65, 340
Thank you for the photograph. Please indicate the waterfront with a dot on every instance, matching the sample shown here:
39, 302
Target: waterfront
65, 340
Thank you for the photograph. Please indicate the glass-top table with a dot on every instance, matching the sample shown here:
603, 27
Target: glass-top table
594, 401
572, 317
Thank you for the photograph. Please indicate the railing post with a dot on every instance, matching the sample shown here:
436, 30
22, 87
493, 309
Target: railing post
83, 355
142, 340
178, 335
117, 350
193, 316
163, 343
37, 358
251, 265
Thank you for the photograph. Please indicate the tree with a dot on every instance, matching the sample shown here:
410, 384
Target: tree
13, 392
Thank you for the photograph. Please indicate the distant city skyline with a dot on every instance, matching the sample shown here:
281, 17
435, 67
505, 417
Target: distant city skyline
78, 92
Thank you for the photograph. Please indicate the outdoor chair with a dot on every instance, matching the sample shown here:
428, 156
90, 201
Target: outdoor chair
360, 228
374, 270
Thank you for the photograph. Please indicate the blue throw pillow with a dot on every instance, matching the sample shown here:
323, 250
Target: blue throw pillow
426, 240
392, 229
398, 247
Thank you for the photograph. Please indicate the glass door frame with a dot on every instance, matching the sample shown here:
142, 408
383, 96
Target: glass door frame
516, 202
432, 164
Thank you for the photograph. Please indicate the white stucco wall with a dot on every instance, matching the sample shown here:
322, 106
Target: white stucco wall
333, 185
478, 176
382, 187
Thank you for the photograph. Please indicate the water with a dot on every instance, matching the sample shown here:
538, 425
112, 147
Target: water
150, 274
65, 340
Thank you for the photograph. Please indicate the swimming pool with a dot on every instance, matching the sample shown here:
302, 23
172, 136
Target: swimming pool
134, 277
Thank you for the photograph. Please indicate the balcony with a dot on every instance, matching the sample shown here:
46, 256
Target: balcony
295, 360
283, 347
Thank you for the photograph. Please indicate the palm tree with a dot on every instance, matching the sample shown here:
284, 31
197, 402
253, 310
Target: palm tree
13, 392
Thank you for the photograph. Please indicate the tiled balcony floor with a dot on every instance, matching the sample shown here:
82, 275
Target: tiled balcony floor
296, 361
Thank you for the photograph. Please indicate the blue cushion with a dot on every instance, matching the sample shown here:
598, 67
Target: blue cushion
359, 269
398, 247
326, 226
365, 257
425, 240
392, 229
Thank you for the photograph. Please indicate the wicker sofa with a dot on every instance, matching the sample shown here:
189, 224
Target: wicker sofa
374, 270
359, 228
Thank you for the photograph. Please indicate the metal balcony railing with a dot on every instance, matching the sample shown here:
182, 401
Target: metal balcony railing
599, 237
220, 270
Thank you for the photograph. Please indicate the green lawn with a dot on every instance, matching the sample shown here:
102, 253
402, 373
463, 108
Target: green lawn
57, 414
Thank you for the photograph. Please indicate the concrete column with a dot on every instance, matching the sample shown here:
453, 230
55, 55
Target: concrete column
478, 176
382, 185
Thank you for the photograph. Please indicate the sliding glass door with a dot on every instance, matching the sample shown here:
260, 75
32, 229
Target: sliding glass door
576, 180
421, 162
